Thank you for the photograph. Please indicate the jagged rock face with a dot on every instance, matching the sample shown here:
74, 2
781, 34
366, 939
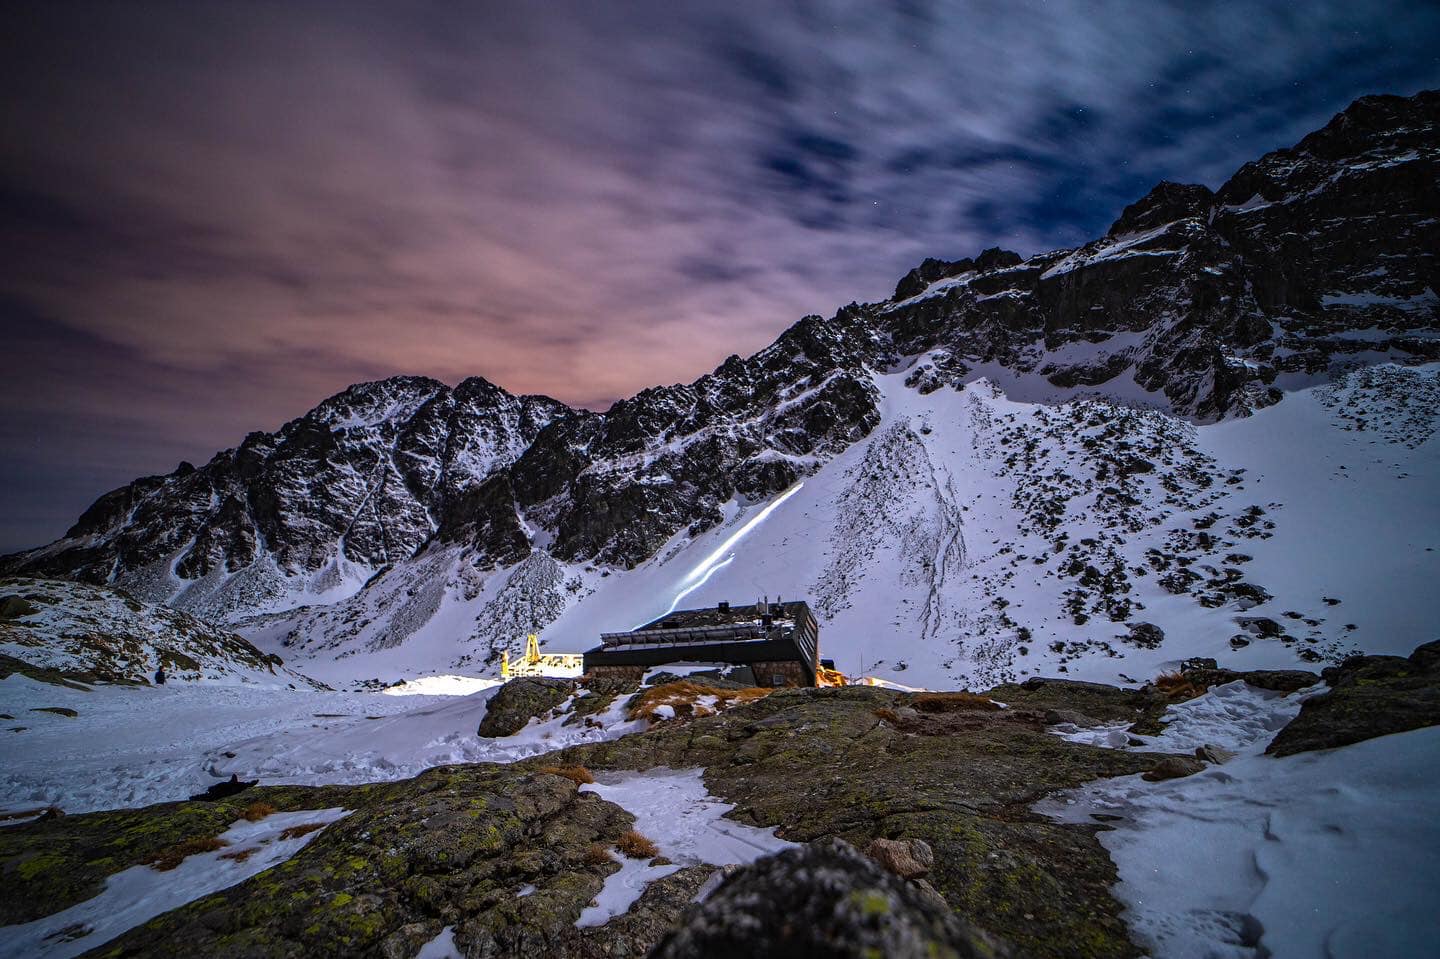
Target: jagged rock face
365, 479
1216, 300
1206, 304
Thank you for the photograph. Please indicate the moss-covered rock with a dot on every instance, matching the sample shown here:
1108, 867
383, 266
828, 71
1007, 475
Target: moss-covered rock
521, 700
820, 763
454, 846
1369, 696
824, 899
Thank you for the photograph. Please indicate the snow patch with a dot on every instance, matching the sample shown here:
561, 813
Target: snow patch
674, 810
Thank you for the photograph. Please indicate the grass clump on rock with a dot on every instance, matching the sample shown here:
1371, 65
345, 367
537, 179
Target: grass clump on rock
171, 856
579, 775
257, 811
684, 698
637, 846
1178, 687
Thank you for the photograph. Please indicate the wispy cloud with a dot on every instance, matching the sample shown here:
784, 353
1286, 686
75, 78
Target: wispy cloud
215, 214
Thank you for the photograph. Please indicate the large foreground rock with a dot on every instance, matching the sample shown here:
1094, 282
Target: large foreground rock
823, 899
1369, 696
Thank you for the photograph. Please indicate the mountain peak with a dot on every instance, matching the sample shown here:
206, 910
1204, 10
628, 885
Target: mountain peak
1166, 203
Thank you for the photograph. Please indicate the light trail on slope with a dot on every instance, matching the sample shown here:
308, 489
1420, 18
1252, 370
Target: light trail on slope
723, 555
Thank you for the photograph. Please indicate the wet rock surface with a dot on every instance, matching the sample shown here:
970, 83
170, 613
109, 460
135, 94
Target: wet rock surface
1369, 696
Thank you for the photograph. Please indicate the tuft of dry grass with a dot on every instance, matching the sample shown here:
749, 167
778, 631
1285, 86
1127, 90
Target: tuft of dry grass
172, 856
257, 811
635, 845
952, 702
579, 775
597, 855
683, 697
240, 855
304, 829
887, 714
1178, 686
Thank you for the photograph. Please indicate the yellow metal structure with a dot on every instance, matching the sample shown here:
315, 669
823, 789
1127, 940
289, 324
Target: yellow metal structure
830, 677
536, 663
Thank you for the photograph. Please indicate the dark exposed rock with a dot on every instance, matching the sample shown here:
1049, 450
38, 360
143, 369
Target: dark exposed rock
1145, 635
915, 282
521, 700
225, 789
1369, 696
1166, 203
824, 899
1173, 767
1277, 680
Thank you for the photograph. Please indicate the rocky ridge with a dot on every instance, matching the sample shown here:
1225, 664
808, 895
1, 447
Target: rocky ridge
60, 631
1204, 304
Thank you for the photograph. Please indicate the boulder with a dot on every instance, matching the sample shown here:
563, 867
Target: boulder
1173, 767
906, 858
1369, 696
1214, 754
1145, 635
521, 700
822, 899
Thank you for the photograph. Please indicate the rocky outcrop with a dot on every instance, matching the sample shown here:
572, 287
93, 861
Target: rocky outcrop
824, 899
509, 856
521, 700
1369, 696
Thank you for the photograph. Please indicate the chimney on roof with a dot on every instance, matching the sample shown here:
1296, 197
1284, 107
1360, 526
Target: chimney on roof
763, 607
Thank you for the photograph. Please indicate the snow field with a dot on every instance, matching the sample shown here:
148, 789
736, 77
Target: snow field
1321, 855
134, 746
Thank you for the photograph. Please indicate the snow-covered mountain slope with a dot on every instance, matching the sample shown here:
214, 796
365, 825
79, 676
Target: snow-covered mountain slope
973, 539
1009, 453
310, 512
103, 634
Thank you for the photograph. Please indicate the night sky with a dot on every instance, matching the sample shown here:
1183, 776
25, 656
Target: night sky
214, 215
